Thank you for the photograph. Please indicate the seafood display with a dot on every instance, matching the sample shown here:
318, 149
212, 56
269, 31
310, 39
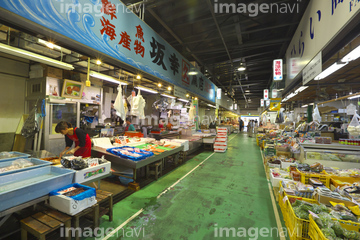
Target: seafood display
17, 164
131, 153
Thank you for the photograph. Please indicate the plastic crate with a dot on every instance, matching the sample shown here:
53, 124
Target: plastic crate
316, 234
280, 153
134, 134
283, 194
298, 228
333, 180
323, 177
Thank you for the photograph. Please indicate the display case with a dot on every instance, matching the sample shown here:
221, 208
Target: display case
332, 155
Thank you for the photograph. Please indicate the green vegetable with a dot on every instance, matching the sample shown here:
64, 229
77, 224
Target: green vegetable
339, 231
297, 203
329, 233
307, 207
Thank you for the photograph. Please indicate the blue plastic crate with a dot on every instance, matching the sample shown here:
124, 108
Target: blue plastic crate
37, 163
18, 155
21, 187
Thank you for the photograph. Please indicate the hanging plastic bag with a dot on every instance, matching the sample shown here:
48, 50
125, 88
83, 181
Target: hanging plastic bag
280, 117
298, 118
119, 104
354, 126
316, 115
31, 125
351, 109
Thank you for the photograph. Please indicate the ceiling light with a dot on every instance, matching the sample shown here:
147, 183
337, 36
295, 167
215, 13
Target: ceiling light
351, 56
106, 78
247, 91
138, 77
330, 70
228, 100
159, 85
166, 95
303, 106
183, 100
34, 57
169, 88
352, 97
187, 95
98, 62
147, 90
241, 67
300, 89
196, 98
192, 73
49, 44
211, 106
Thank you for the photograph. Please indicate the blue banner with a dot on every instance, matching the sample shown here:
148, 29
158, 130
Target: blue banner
111, 28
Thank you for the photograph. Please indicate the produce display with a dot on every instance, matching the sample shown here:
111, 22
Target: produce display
299, 189
17, 164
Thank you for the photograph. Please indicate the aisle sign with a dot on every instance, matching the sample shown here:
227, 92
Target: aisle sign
278, 70
262, 102
235, 106
266, 94
274, 93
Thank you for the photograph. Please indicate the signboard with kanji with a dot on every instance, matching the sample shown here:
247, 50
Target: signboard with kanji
278, 70
266, 94
112, 29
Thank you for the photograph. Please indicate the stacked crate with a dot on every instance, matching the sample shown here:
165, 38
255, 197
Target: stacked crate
220, 144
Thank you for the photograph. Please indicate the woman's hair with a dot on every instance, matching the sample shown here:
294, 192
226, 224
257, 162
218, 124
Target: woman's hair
62, 126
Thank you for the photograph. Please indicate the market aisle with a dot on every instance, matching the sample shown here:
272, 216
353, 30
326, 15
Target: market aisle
228, 190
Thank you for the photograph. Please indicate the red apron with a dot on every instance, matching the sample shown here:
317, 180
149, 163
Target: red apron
82, 151
127, 128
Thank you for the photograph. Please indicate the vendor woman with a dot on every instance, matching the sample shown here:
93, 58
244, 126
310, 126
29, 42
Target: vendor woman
129, 126
77, 135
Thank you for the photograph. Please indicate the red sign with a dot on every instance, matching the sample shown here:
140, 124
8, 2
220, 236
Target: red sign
278, 70
266, 94
185, 70
262, 102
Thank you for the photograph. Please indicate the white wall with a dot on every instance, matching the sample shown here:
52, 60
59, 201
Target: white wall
13, 75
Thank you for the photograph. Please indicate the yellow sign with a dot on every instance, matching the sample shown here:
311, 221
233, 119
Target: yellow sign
275, 104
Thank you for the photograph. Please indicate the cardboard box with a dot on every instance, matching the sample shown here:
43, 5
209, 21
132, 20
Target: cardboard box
75, 204
90, 173
326, 200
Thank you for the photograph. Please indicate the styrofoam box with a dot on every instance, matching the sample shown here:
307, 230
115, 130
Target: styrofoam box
285, 165
221, 140
220, 145
220, 149
70, 206
209, 140
275, 181
221, 134
90, 173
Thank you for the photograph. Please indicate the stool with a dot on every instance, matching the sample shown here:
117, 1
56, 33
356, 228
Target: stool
94, 211
102, 198
154, 169
45, 222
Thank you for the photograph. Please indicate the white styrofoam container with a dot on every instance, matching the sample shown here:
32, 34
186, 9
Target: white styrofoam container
90, 173
183, 142
209, 140
70, 206
275, 181
220, 144
285, 165
221, 139
220, 150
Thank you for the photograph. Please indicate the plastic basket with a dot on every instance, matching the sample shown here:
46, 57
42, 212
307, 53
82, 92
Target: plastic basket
323, 177
316, 234
298, 228
334, 179
283, 194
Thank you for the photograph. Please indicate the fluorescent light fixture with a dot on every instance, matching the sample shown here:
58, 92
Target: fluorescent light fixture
281, 89
330, 70
351, 56
147, 90
303, 106
166, 95
192, 73
247, 91
353, 97
183, 100
291, 95
300, 89
106, 78
34, 57
211, 106
49, 44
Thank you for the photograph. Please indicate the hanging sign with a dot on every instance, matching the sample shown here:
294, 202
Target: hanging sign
266, 94
218, 93
262, 102
235, 106
278, 70
180, 92
267, 103
275, 104
274, 93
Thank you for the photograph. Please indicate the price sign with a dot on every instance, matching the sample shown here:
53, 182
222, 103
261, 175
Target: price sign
266, 94
93, 162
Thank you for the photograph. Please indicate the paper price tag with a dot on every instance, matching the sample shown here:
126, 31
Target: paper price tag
93, 162
285, 198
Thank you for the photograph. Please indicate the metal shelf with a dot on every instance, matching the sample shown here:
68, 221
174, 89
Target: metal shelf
333, 146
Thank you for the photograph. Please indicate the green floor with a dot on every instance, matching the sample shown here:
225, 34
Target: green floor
229, 190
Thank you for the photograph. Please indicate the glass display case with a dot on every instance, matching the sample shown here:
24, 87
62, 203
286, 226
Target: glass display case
332, 155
